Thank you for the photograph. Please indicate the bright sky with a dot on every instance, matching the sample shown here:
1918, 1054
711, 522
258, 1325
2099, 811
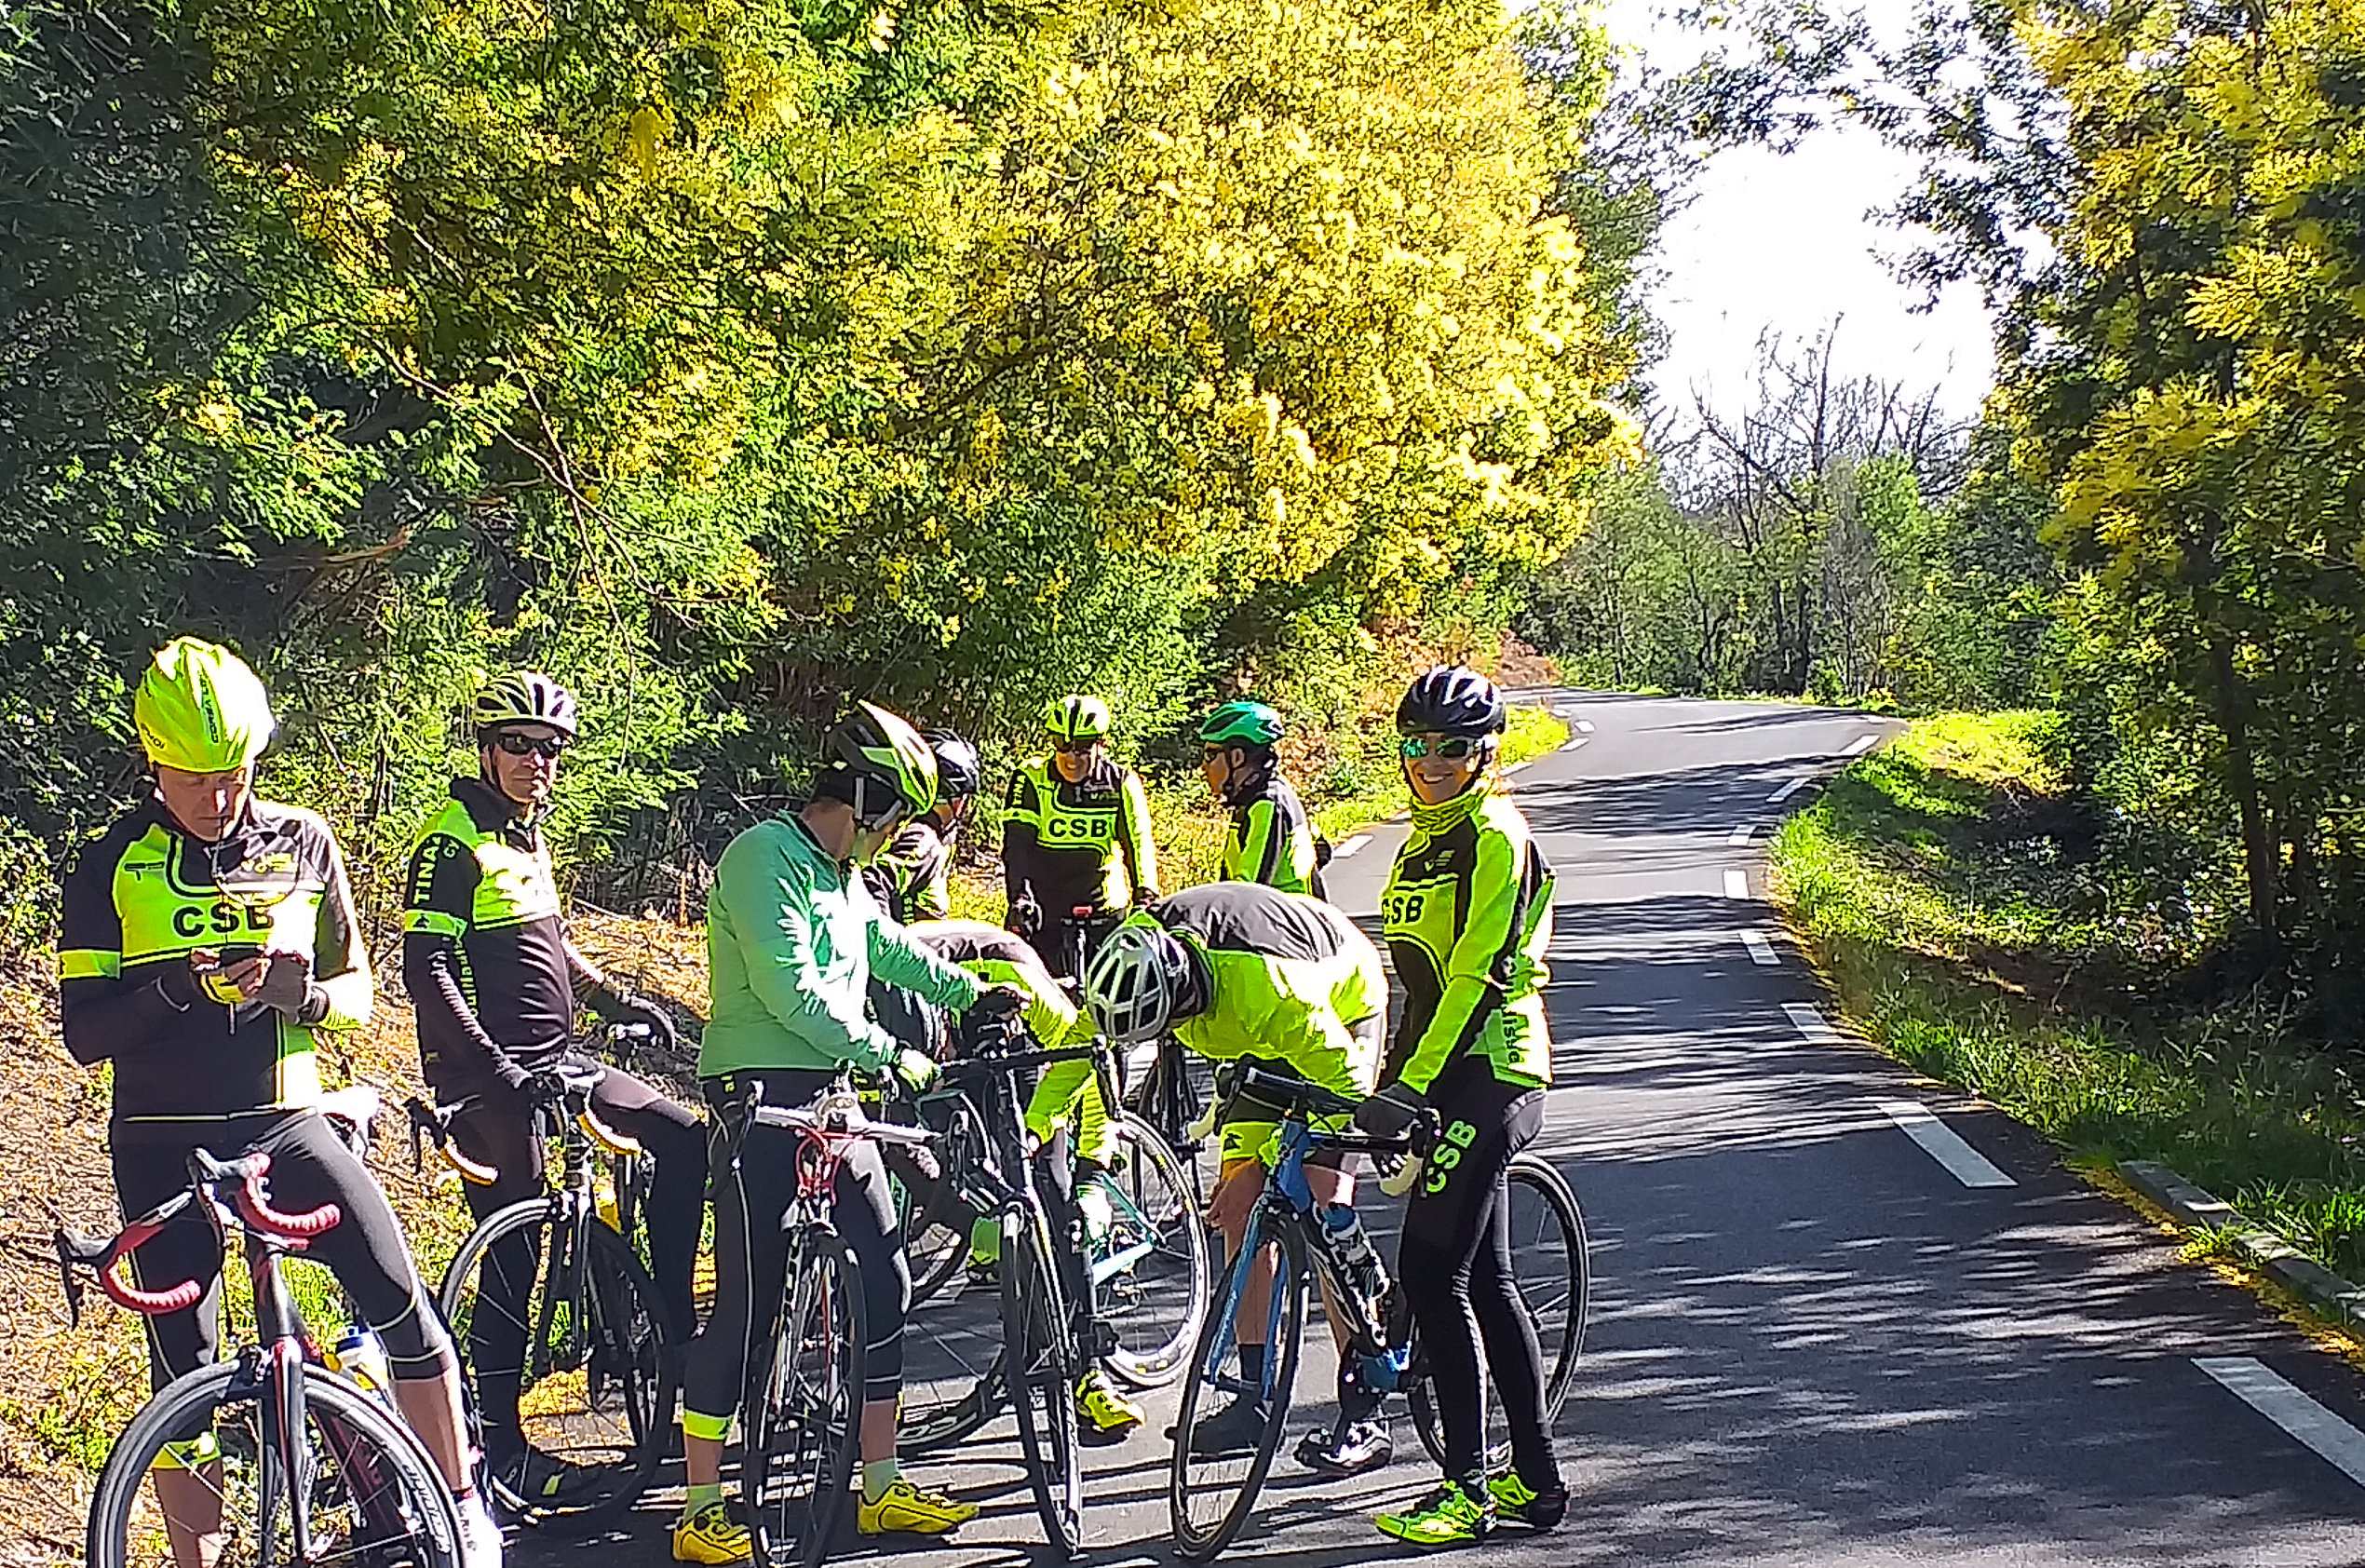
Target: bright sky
1786, 245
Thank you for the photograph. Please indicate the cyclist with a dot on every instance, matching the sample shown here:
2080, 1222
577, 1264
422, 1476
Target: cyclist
1271, 839
1467, 916
792, 937
209, 940
911, 878
1066, 1117
494, 979
1242, 972
1075, 834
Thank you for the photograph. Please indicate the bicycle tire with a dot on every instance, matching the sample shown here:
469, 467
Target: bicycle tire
804, 1409
376, 1472
613, 1425
1559, 1316
1181, 1281
1040, 1360
1197, 1537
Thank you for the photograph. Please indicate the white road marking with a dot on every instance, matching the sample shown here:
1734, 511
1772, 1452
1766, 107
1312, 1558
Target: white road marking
1585, 726
1351, 847
1516, 766
1574, 744
1741, 834
1861, 745
1810, 1022
1943, 1145
1761, 950
2256, 1387
1787, 791
1736, 884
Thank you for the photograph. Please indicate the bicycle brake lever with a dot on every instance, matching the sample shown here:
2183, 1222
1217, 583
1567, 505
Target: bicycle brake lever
69, 1281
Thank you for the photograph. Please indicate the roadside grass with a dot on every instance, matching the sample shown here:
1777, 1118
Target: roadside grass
1941, 885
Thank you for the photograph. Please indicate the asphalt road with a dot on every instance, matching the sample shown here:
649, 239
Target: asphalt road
1811, 1341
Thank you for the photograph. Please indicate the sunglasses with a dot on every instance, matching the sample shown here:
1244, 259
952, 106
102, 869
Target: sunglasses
1074, 747
1453, 748
518, 744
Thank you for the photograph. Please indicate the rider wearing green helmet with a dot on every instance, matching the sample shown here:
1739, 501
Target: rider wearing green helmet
1076, 835
1271, 839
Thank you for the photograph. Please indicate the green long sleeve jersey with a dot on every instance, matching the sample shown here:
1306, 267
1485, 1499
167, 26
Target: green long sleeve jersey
1467, 916
1271, 841
1288, 980
793, 939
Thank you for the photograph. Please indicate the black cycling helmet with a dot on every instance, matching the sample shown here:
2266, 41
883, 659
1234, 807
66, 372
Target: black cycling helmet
1451, 699
959, 774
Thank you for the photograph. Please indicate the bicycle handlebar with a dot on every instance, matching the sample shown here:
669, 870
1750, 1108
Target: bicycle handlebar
105, 1256
836, 1115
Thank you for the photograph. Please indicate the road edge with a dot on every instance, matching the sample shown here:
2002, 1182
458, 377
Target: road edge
2199, 1213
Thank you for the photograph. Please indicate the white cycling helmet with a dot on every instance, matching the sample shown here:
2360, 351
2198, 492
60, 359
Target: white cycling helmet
1134, 984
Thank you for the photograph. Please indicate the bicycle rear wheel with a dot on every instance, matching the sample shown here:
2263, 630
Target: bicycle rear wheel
1211, 1494
368, 1494
804, 1410
1151, 1277
1042, 1365
1555, 1280
593, 1386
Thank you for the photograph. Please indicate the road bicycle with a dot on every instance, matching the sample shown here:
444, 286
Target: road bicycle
1211, 1495
305, 1465
553, 1291
802, 1403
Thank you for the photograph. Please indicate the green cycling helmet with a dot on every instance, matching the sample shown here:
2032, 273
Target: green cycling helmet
200, 709
1241, 723
878, 747
1076, 718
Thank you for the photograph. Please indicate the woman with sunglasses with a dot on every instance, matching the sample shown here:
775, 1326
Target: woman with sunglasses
1467, 916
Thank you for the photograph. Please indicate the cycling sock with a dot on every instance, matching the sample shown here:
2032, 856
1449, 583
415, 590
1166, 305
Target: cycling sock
1252, 1364
877, 1476
700, 1498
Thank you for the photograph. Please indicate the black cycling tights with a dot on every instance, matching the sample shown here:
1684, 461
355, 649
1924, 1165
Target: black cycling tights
1455, 1268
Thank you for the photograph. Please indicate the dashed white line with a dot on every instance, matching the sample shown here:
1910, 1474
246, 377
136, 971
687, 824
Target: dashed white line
1861, 745
1787, 791
1944, 1145
1810, 1022
1572, 745
2250, 1381
1761, 950
1736, 884
1585, 726
1741, 834
1351, 847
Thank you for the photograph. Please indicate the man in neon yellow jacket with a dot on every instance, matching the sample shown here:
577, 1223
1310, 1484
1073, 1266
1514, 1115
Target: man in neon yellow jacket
1242, 972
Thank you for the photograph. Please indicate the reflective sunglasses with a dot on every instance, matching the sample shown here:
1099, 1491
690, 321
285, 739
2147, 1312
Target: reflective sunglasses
1453, 748
519, 744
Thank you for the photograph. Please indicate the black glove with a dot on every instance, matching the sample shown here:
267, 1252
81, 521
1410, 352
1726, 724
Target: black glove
1390, 1113
996, 1002
622, 1006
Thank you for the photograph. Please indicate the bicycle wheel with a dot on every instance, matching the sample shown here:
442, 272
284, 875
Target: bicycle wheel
587, 1367
1042, 1366
1151, 1277
1555, 1279
804, 1410
365, 1491
1210, 1495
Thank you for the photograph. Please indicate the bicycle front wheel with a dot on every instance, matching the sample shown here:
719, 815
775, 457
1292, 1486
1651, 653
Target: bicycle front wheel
353, 1489
1148, 1255
804, 1408
576, 1339
1221, 1455
1040, 1356
1555, 1280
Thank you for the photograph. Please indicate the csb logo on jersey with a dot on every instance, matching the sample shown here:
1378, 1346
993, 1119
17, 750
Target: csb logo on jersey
1072, 830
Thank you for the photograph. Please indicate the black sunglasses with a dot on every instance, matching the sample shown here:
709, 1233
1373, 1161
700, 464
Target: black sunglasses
1453, 748
519, 744
1072, 748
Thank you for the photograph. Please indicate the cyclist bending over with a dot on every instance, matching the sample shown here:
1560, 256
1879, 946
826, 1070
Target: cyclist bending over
1075, 833
1469, 915
1066, 1117
489, 965
209, 940
792, 936
1240, 972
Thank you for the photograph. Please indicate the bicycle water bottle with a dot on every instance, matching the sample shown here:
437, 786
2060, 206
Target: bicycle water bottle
1351, 1249
358, 1355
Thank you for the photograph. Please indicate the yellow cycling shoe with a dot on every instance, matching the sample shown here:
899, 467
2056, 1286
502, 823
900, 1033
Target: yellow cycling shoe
905, 1509
1108, 1413
711, 1536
